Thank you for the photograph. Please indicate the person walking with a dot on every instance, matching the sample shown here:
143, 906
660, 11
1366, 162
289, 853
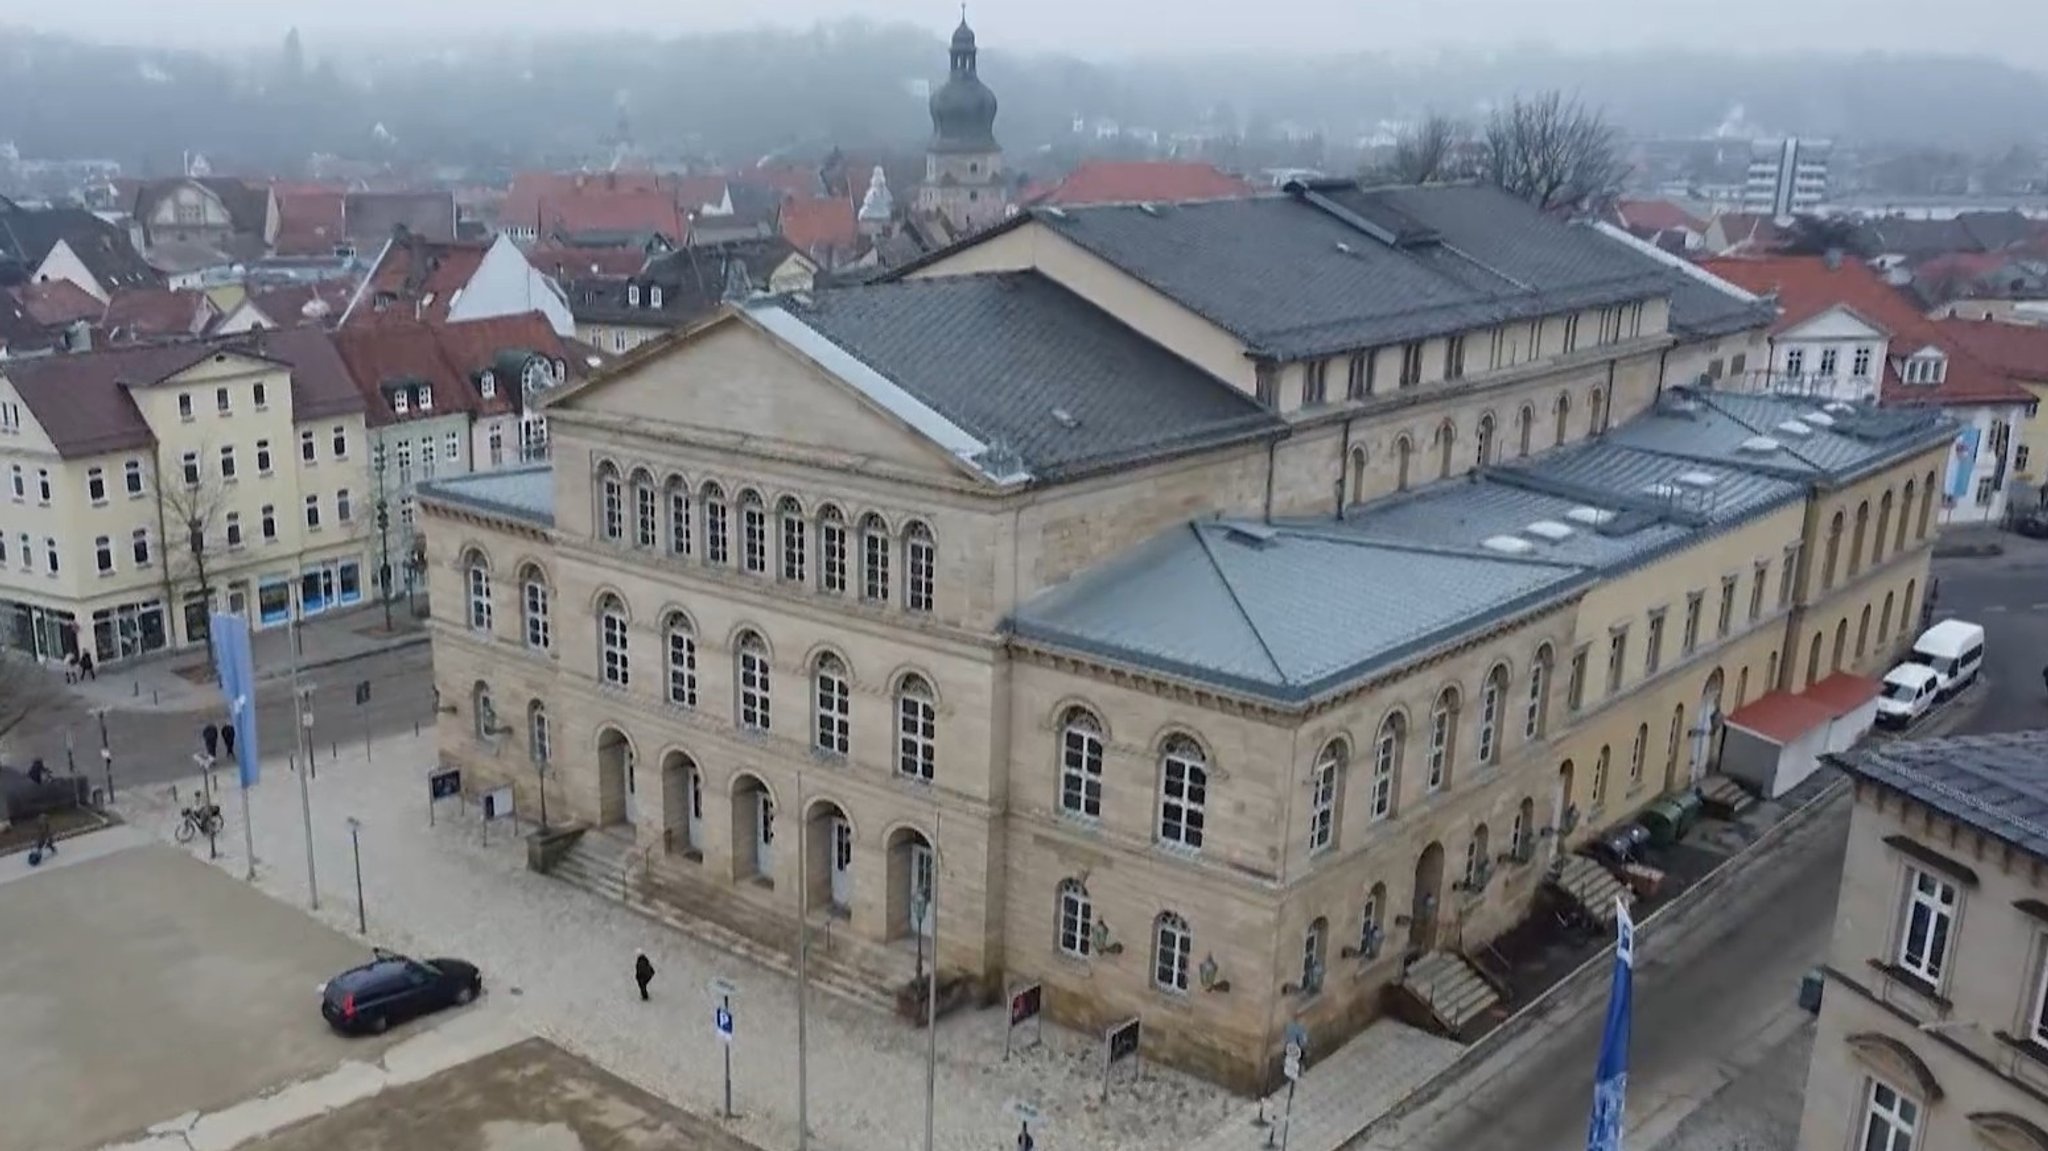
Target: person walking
46, 843
643, 972
85, 668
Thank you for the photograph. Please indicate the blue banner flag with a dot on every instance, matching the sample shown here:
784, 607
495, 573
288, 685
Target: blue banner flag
237, 671
1610, 1080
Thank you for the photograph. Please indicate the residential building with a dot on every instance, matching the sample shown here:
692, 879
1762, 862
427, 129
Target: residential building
1661, 223
963, 176
414, 280
1843, 333
148, 487
823, 228
1933, 1029
1787, 177
314, 303
1211, 628
1721, 330
231, 216
619, 313
2021, 352
71, 245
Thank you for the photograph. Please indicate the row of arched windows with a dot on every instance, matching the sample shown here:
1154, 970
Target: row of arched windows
1486, 449
1865, 544
820, 550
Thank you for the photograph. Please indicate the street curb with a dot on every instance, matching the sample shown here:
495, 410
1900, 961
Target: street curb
335, 661
1593, 971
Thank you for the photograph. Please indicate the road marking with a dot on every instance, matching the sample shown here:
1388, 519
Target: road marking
2037, 607
1995, 609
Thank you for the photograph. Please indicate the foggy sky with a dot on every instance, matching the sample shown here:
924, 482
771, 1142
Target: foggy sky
2012, 30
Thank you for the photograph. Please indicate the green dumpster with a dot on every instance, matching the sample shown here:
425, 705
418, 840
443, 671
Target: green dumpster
1665, 819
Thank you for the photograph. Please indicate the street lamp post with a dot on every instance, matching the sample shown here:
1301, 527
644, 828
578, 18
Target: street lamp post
302, 739
355, 845
383, 535
106, 751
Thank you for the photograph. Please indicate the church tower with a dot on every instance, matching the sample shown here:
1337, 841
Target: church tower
963, 168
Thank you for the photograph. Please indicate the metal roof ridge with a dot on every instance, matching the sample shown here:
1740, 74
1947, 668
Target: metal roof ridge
1419, 547
1236, 600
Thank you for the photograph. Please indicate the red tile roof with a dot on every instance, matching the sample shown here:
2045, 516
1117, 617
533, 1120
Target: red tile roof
473, 345
2018, 350
565, 262
1807, 286
447, 356
292, 305
55, 303
310, 219
820, 226
787, 181
1842, 693
1656, 216
156, 313
1131, 181
1781, 717
1748, 231
417, 280
522, 206
613, 211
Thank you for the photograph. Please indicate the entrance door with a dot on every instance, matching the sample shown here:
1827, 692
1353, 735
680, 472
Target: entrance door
764, 834
921, 889
1429, 881
842, 863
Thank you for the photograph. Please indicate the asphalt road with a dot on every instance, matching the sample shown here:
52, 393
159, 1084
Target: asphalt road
154, 747
2008, 594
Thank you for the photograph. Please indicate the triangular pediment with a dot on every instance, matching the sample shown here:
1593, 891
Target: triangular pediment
1840, 322
734, 379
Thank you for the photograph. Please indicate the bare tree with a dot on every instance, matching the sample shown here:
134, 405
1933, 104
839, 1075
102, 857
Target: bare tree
1554, 152
25, 689
1431, 151
192, 510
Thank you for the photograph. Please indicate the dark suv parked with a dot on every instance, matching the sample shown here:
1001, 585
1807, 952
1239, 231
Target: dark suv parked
392, 989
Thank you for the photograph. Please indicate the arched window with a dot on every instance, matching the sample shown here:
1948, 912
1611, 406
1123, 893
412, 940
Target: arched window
682, 661
833, 687
1926, 505
1443, 737
1404, 457
1884, 620
917, 729
614, 662
874, 562
1674, 741
1446, 442
1358, 462
483, 714
796, 536
831, 550
535, 618
1905, 517
1478, 863
1075, 915
479, 593
611, 503
754, 677
678, 516
1080, 764
1325, 778
1386, 765
1600, 767
1863, 632
1315, 942
1596, 412
1183, 793
717, 542
1857, 540
1884, 529
1841, 644
1485, 437
1522, 839
753, 532
920, 563
1813, 660
646, 512
1372, 926
1536, 716
1525, 429
1833, 553
1563, 413
540, 741
1172, 944
1493, 701
1638, 755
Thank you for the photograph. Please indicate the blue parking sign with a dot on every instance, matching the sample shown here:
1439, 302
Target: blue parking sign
721, 1022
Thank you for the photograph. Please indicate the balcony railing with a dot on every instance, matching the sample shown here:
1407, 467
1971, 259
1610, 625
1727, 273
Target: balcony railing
1849, 389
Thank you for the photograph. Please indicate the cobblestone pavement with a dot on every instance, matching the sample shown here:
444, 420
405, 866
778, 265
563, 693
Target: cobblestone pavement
1757, 1111
560, 962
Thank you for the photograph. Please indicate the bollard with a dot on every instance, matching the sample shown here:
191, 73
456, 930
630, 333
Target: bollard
333, 749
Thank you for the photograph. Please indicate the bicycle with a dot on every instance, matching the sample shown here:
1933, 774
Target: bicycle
202, 820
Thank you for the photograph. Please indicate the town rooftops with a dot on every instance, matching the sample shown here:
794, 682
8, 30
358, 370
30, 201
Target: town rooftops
1329, 267
1703, 306
1248, 607
1785, 436
26, 238
1996, 784
1137, 181
1013, 373
525, 494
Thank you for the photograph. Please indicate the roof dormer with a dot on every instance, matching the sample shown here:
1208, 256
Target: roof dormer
1929, 365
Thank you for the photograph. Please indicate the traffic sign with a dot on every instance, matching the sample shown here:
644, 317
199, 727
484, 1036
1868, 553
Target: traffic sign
721, 1023
1022, 1111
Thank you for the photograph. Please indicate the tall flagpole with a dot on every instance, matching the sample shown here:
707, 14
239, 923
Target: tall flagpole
1610, 1078
803, 952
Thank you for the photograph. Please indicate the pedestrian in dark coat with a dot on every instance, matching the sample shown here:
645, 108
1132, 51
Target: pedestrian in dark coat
643, 972
46, 843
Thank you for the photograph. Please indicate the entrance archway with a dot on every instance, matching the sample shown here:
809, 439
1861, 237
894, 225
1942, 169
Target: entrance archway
1706, 728
682, 804
1429, 884
828, 858
912, 874
614, 777
753, 829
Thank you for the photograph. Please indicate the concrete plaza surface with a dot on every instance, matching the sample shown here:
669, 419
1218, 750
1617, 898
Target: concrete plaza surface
139, 983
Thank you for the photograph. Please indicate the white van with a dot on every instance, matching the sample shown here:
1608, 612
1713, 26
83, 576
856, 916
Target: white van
1954, 649
1908, 691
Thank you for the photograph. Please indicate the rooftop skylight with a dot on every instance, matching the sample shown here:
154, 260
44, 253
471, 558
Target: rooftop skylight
1795, 429
1698, 479
1508, 545
1590, 516
1761, 445
1550, 530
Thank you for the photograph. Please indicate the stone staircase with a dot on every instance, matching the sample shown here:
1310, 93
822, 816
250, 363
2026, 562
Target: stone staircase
1592, 887
1724, 798
610, 865
1450, 991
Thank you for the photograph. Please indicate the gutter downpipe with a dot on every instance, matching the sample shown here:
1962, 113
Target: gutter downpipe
1344, 468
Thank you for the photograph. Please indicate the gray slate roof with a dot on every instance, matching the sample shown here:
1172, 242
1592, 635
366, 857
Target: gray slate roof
1331, 267
1997, 784
1325, 602
1024, 365
524, 493
1714, 426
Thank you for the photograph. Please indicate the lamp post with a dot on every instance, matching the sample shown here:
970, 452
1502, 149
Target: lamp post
106, 751
302, 739
355, 845
383, 534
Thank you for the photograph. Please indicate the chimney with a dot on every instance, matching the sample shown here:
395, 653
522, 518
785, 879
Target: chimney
1833, 259
78, 337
